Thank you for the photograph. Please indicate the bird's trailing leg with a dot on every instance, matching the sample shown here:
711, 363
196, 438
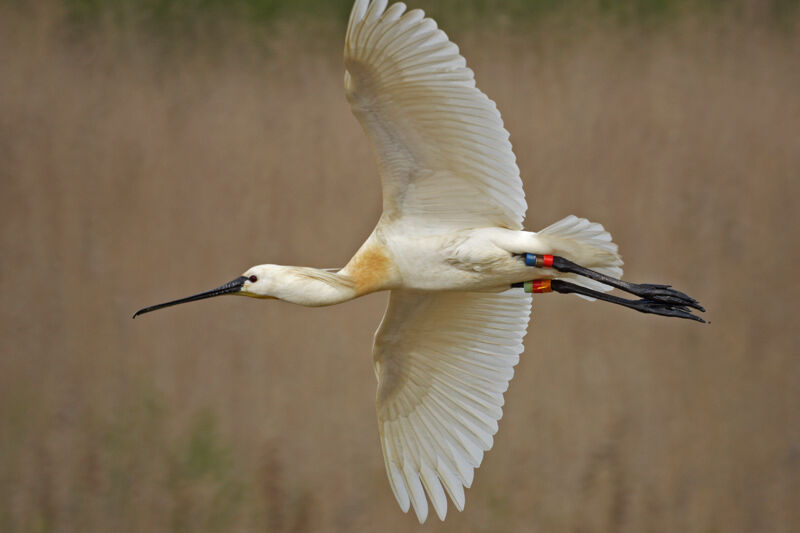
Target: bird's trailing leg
657, 299
644, 305
661, 293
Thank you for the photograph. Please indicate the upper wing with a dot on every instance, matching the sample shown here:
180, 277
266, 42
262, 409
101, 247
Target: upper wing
443, 361
444, 156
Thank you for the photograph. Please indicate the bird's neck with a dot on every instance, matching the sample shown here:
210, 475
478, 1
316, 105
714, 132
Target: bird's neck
371, 269
314, 287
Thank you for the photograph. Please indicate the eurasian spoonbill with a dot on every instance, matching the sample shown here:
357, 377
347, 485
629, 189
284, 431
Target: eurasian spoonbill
451, 249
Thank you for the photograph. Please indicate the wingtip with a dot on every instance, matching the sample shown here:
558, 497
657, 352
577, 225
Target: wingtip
359, 11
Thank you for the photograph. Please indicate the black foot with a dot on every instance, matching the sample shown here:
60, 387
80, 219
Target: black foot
665, 294
658, 305
664, 309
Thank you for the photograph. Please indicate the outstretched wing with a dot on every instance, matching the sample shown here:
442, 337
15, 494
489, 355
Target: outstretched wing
443, 361
444, 156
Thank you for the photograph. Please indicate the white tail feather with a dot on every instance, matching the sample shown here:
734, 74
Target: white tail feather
587, 244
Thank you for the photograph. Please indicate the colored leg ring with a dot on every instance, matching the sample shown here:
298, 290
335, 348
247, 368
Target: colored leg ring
540, 261
538, 286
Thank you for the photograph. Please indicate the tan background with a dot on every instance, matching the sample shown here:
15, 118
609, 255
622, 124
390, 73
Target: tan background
130, 175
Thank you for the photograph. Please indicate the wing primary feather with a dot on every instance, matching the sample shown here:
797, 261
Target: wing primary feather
468, 428
442, 440
455, 450
390, 18
374, 11
396, 480
452, 485
418, 500
356, 15
435, 492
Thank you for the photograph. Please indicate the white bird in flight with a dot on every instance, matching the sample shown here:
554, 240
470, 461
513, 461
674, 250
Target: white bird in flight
451, 250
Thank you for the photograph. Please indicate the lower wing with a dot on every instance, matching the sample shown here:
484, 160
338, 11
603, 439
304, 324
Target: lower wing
443, 361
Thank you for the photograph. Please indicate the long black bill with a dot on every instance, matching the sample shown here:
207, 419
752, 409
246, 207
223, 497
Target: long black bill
229, 288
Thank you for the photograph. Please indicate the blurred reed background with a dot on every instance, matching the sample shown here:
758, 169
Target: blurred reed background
152, 149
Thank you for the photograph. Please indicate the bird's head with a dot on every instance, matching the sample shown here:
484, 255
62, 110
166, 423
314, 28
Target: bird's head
261, 281
264, 281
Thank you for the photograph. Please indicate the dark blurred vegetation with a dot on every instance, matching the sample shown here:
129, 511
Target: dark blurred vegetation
460, 13
129, 176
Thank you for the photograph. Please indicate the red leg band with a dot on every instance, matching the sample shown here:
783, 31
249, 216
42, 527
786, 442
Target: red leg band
548, 260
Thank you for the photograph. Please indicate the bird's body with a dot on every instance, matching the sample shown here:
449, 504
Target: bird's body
482, 259
465, 260
451, 249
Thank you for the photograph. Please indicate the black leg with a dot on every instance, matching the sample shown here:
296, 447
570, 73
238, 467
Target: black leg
658, 293
647, 305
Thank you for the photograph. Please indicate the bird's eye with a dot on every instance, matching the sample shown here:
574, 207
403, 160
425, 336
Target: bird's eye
253, 279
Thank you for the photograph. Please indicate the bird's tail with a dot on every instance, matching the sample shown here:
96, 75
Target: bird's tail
587, 244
